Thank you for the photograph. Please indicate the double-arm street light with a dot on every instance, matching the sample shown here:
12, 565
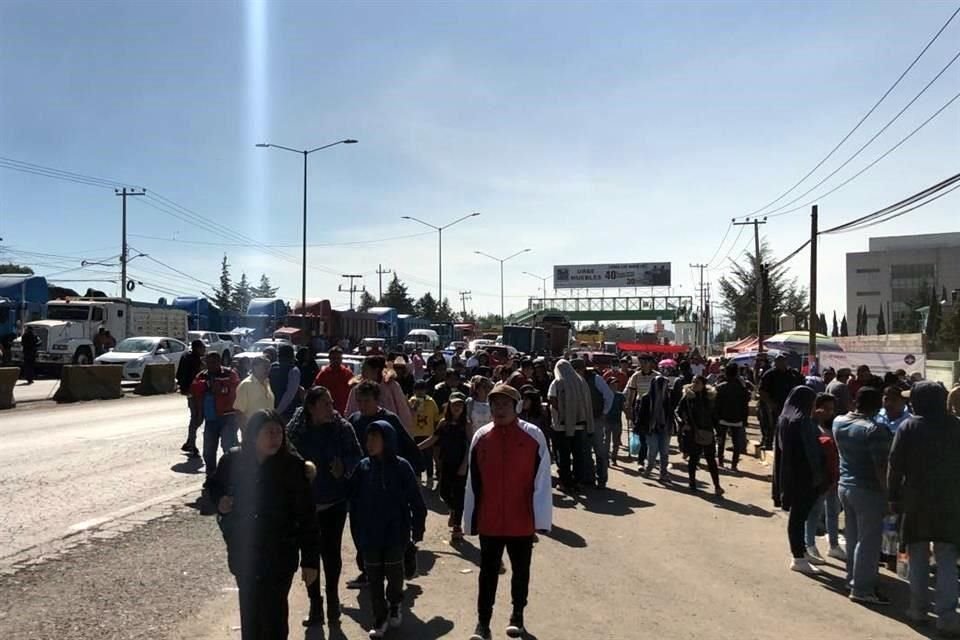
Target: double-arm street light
305, 153
439, 231
541, 279
503, 318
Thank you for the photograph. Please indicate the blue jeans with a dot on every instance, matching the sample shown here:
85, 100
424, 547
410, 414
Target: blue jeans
946, 594
865, 509
829, 502
658, 443
222, 429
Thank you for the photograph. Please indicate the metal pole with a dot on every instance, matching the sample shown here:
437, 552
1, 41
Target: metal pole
812, 356
439, 267
303, 287
756, 248
503, 317
123, 249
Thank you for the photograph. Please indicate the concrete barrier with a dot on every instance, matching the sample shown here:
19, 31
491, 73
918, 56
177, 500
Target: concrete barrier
157, 379
90, 382
8, 380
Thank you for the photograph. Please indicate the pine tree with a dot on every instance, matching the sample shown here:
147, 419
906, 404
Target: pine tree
835, 331
366, 301
10, 267
223, 295
444, 312
948, 336
396, 296
242, 294
822, 324
844, 329
933, 316
264, 289
881, 323
426, 307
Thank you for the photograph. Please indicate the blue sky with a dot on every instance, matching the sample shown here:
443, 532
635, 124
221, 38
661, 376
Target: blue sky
590, 132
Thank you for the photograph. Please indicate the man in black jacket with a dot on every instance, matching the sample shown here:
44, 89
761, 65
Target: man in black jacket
190, 365
730, 414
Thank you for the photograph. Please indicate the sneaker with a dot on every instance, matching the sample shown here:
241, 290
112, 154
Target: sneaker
837, 553
379, 629
873, 599
800, 565
515, 628
813, 556
396, 616
360, 582
482, 632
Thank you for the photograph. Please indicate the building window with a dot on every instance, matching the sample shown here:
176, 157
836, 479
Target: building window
863, 294
869, 270
912, 271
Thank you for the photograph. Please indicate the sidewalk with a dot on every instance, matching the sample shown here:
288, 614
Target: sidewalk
639, 560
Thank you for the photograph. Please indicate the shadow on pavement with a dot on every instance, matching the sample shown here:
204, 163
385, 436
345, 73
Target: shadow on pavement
463, 549
566, 537
736, 507
612, 502
190, 465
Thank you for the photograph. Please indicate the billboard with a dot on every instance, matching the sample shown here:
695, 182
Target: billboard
597, 276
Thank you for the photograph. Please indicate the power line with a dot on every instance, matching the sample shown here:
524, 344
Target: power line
287, 246
865, 116
774, 214
722, 240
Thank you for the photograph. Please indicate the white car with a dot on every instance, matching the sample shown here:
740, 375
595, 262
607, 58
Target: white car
213, 343
136, 353
241, 361
232, 340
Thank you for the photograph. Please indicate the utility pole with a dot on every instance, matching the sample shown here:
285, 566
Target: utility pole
700, 316
464, 296
352, 289
123, 193
381, 272
756, 222
812, 356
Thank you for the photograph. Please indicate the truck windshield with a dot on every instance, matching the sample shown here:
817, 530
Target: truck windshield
68, 312
135, 345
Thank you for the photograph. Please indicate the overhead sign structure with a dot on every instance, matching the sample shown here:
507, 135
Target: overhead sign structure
597, 276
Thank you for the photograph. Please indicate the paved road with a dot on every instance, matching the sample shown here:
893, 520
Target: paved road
637, 561
66, 468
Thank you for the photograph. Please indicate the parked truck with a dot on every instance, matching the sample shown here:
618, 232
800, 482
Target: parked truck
66, 336
525, 339
23, 298
327, 326
388, 326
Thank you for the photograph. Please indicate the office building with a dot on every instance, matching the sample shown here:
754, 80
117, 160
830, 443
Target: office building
896, 276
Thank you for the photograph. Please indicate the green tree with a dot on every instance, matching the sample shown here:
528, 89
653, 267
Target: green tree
835, 331
242, 295
822, 324
881, 323
738, 294
444, 312
264, 289
366, 301
948, 335
10, 267
223, 295
396, 296
844, 329
426, 307
934, 316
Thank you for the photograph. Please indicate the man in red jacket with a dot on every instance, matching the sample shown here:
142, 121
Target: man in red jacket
214, 392
336, 378
508, 499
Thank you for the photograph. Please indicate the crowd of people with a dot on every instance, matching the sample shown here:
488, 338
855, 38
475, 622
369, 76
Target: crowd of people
321, 447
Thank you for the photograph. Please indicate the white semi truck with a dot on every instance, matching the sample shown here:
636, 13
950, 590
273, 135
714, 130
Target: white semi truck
66, 336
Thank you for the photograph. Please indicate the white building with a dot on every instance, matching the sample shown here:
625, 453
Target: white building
896, 275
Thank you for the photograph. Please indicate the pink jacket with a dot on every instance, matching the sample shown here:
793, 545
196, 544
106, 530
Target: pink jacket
391, 399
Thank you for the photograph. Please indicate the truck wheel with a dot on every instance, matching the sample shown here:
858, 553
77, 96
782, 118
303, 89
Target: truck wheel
82, 356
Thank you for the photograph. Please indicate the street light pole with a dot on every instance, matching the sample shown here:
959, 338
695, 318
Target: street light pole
305, 153
439, 231
542, 279
503, 317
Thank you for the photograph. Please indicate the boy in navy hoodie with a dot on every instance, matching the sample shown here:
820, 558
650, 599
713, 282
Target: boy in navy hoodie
387, 509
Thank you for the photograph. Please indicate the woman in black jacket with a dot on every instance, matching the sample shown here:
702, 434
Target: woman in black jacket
322, 436
266, 513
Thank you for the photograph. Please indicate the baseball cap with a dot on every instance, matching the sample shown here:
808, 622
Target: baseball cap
456, 396
504, 390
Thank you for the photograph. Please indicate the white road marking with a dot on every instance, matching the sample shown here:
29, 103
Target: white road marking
134, 508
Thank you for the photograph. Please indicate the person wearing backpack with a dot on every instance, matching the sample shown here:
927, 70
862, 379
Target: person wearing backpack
601, 400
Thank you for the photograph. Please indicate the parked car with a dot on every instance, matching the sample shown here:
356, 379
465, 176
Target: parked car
372, 346
349, 360
213, 343
233, 341
457, 345
136, 353
500, 354
241, 361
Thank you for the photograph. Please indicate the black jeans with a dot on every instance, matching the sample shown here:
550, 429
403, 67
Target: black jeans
386, 563
768, 414
570, 447
29, 368
707, 452
263, 607
427, 456
799, 511
520, 550
332, 521
739, 437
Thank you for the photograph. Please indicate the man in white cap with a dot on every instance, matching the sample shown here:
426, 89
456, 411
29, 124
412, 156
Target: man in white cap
508, 499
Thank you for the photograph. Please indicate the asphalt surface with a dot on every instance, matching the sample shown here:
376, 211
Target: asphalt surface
65, 469
639, 560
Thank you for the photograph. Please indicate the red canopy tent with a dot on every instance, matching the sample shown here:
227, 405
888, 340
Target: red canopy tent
744, 346
637, 347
